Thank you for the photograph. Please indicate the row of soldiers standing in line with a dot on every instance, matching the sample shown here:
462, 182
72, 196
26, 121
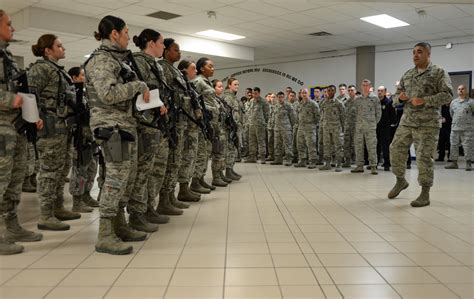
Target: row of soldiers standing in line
330, 131
141, 154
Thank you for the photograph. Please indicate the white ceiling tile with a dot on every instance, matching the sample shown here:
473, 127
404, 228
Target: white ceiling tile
446, 12
169, 7
202, 5
469, 8
412, 17
236, 12
293, 5
256, 28
278, 23
301, 19
109, 4
263, 8
355, 10
461, 23
388, 8
77, 8
326, 14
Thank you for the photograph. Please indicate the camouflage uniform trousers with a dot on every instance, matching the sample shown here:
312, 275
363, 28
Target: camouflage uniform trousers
82, 177
369, 138
320, 143
231, 156
256, 142
145, 160
157, 175
271, 142
294, 142
202, 157
466, 138
31, 162
307, 143
218, 158
12, 168
119, 179
332, 143
65, 170
425, 140
54, 162
349, 148
283, 145
174, 160
245, 139
191, 144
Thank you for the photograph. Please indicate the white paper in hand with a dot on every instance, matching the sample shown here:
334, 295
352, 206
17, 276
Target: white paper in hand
154, 102
29, 109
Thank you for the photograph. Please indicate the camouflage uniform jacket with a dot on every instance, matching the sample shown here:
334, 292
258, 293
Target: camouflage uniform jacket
204, 87
271, 117
53, 87
308, 114
258, 112
109, 95
7, 112
462, 114
333, 113
285, 116
176, 81
368, 112
237, 107
434, 86
351, 113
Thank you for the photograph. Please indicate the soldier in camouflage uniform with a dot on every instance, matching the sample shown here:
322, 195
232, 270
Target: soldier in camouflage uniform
423, 89
308, 119
271, 100
333, 126
84, 170
349, 127
150, 43
111, 87
176, 80
12, 148
285, 119
236, 107
205, 70
258, 118
245, 130
368, 113
342, 96
294, 102
191, 142
56, 95
462, 128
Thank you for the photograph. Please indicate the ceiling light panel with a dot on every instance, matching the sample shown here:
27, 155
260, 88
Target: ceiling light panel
384, 21
220, 35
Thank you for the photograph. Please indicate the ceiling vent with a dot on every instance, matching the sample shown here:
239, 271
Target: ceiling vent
320, 33
163, 15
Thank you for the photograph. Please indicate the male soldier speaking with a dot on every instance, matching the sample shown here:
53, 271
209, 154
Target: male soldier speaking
423, 90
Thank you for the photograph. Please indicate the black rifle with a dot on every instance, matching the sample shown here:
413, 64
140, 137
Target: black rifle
19, 83
231, 124
197, 102
80, 119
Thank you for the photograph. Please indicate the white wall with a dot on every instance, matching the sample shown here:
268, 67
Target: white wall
309, 72
391, 62
390, 66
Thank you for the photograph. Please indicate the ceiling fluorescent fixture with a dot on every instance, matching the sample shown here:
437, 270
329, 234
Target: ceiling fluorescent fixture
220, 35
385, 21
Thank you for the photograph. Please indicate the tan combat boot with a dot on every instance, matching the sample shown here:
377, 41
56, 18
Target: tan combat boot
9, 248
423, 199
452, 165
185, 194
107, 240
124, 231
165, 207
79, 206
15, 233
47, 221
400, 185
203, 183
196, 187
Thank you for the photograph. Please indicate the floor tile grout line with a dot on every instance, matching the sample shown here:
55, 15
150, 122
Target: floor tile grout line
226, 240
259, 172
292, 233
184, 246
357, 217
48, 252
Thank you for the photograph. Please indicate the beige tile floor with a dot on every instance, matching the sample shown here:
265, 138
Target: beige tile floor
278, 233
